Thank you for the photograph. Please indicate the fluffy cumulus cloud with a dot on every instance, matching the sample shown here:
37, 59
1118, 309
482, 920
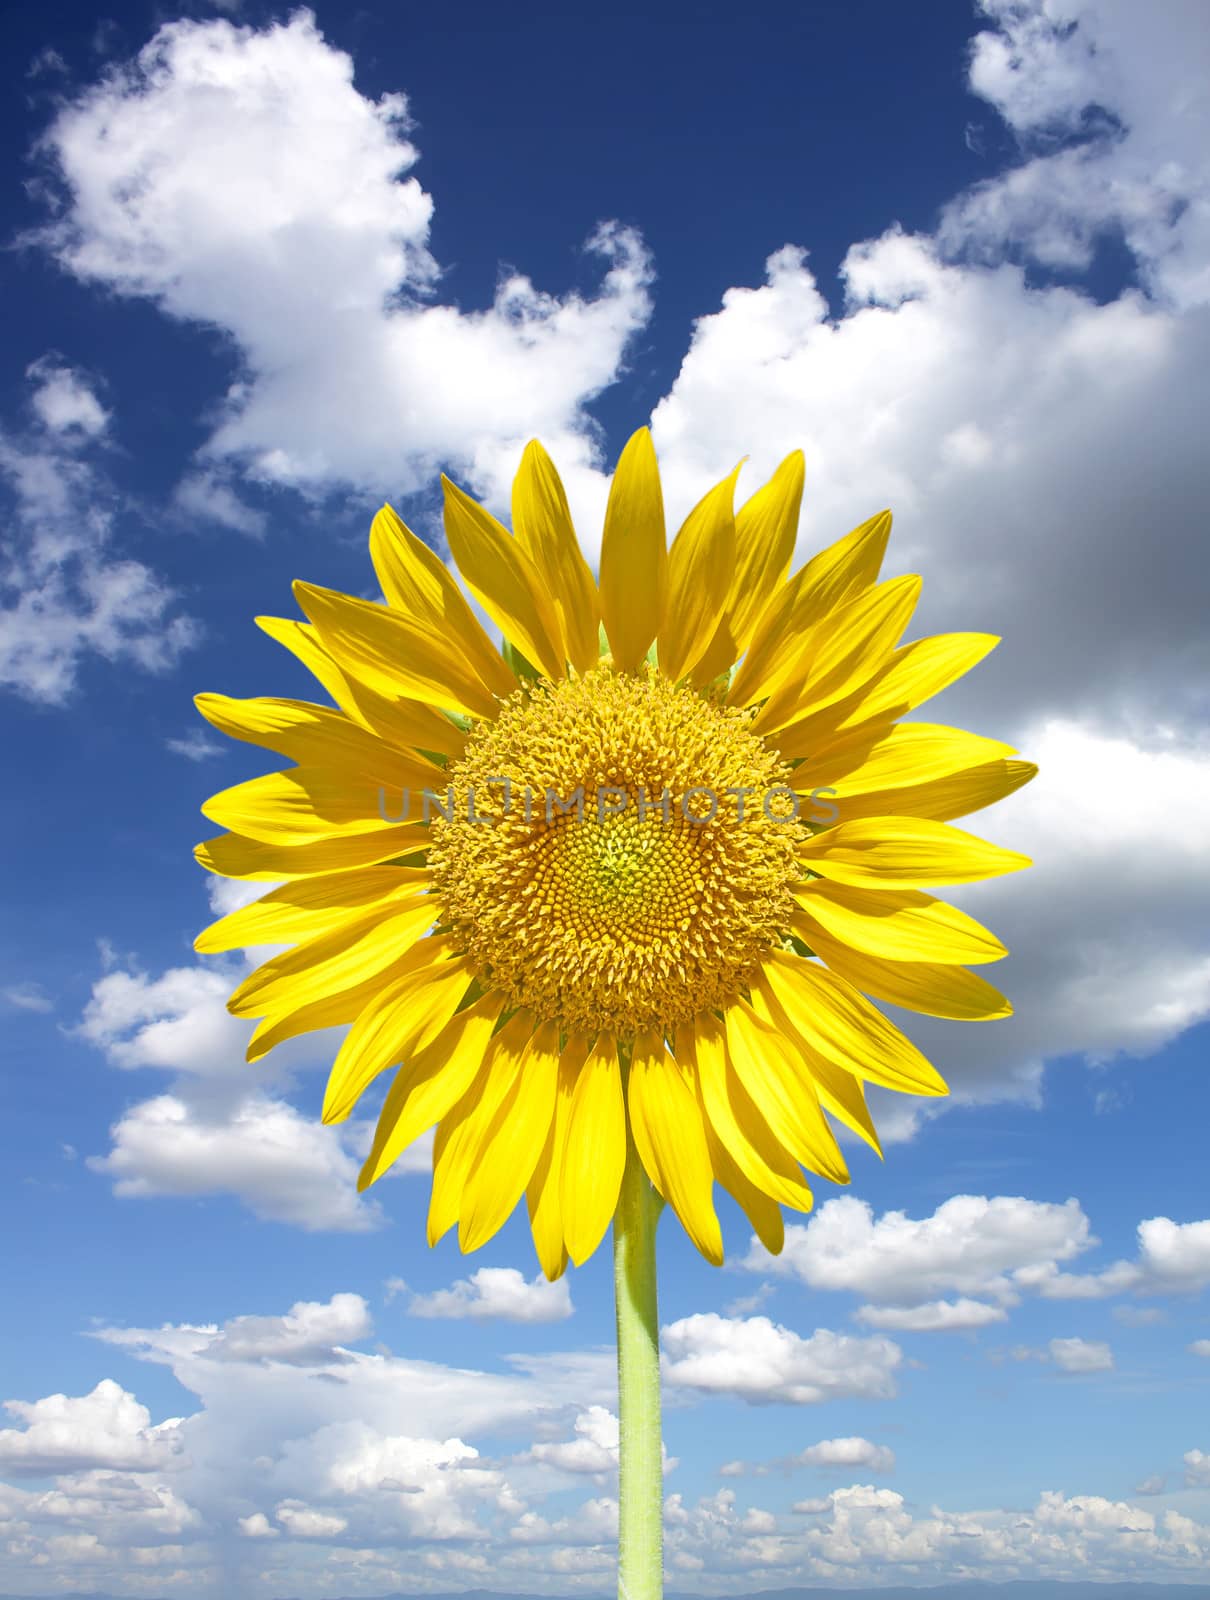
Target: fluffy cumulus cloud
1173, 1258
852, 1452
211, 1131
1126, 103
984, 1253
238, 178
304, 1453
757, 1360
498, 1292
860, 1535
972, 1246
592, 1449
1081, 1355
66, 591
298, 1440
107, 1428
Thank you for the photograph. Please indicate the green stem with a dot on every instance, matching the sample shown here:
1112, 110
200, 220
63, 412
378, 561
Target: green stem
640, 1463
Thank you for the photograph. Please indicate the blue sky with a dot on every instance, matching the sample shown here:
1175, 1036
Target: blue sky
267, 269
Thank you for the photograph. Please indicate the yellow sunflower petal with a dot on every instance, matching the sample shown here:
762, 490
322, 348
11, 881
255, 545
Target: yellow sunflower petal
543, 528
395, 655
839, 1025
510, 1144
407, 723
634, 558
765, 529
904, 853
331, 1011
913, 674
782, 1092
503, 579
403, 1018
732, 1114
838, 654
934, 989
314, 736
762, 1212
941, 799
594, 1156
305, 909
459, 1131
840, 1094
827, 581
899, 925
232, 855
306, 804
542, 1194
701, 565
670, 1138
416, 581
302, 641
366, 943
901, 757
430, 1082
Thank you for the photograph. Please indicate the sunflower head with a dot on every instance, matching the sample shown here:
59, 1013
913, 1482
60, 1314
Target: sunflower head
626, 881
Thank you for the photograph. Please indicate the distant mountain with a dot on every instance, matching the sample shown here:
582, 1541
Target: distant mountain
1033, 1589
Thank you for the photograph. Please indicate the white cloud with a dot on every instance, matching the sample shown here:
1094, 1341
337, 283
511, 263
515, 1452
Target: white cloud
1173, 1258
1080, 977
1200, 1347
934, 1316
309, 1333
64, 401
295, 1433
196, 746
1074, 1355
594, 1523
743, 1305
284, 1166
257, 1526
206, 496
213, 1131
107, 1428
498, 1292
27, 996
65, 592
593, 1450
237, 178
1197, 1467
760, 1361
971, 1244
178, 1021
1081, 1355
990, 1251
306, 1523
1113, 117
851, 1452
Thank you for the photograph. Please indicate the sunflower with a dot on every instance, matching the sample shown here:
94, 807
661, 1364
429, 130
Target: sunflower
623, 887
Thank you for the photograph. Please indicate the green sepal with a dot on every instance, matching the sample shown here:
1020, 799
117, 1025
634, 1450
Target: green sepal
517, 664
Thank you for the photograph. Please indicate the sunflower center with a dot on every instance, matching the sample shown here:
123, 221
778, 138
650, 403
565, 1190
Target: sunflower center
616, 852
